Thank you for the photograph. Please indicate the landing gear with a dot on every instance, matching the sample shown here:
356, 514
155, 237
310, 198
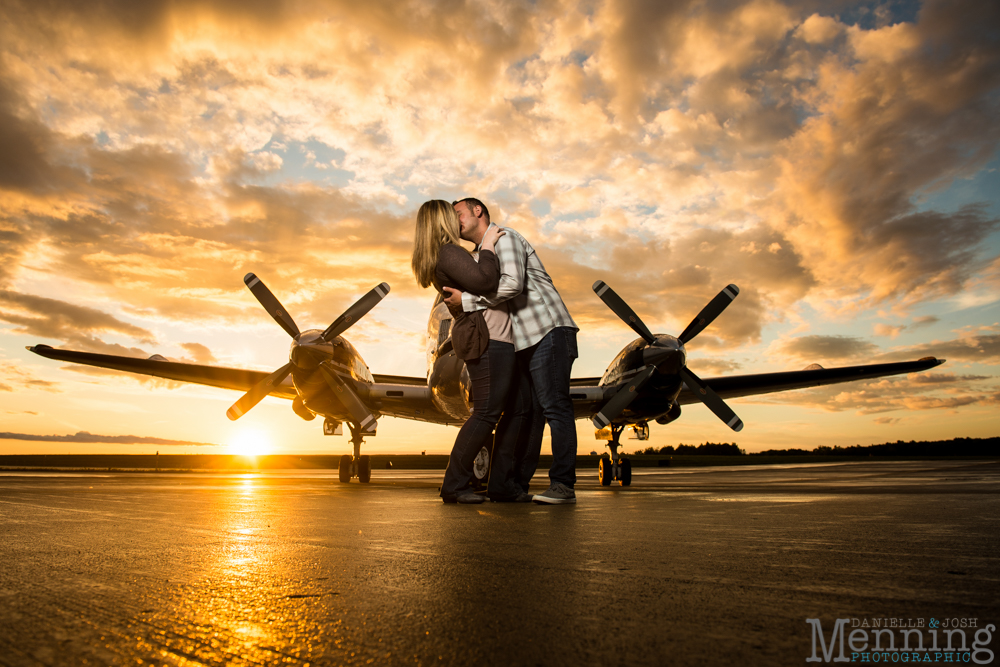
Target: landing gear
614, 468
355, 466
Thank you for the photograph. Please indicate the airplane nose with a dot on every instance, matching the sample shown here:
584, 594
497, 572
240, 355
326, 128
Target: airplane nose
306, 352
667, 354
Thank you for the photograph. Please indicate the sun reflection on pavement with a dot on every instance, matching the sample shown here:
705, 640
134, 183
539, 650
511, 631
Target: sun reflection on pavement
239, 608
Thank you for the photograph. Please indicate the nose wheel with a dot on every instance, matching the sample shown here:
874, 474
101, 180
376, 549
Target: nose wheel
614, 468
355, 466
481, 468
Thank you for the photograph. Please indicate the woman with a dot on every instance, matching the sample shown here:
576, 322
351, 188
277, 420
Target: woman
483, 339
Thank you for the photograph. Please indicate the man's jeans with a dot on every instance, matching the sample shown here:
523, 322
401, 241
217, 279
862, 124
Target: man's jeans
515, 450
548, 364
490, 375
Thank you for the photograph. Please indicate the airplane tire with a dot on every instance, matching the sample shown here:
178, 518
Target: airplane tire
625, 478
345, 468
364, 469
604, 471
481, 468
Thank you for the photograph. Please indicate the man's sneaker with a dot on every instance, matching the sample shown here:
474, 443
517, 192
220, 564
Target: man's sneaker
523, 498
557, 494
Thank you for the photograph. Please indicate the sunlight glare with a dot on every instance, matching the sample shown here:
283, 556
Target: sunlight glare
249, 442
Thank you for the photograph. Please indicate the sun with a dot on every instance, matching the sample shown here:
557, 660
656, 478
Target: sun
250, 442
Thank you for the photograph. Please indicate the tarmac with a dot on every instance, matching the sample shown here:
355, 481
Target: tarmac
688, 566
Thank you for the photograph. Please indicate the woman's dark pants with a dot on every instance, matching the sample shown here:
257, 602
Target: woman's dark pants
490, 376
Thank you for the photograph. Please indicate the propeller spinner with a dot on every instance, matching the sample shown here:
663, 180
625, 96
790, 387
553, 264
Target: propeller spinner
703, 392
355, 406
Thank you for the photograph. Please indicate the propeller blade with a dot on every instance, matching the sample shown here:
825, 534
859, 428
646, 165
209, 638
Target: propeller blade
705, 394
709, 312
271, 304
359, 411
622, 310
356, 312
258, 392
621, 400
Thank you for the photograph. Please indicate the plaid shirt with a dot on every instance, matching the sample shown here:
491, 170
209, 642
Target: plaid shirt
534, 305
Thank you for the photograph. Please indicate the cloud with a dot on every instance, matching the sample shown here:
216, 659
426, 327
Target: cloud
199, 353
14, 377
84, 436
145, 380
76, 325
984, 349
971, 346
706, 367
888, 330
833, 348
157, 154
945, 378
912, 392
904, 116
24, 142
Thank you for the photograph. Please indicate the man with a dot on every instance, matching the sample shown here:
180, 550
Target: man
544, 338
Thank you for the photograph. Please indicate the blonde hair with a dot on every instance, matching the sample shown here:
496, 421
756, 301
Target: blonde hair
437, 224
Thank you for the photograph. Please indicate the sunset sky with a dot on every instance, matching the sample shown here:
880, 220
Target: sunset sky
838, 161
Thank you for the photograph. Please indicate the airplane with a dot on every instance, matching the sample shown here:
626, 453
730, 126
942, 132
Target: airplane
325, 376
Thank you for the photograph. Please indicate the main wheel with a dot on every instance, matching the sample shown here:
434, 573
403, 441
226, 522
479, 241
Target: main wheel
345, 468
604, 471
625, 477
481, 467
364, 469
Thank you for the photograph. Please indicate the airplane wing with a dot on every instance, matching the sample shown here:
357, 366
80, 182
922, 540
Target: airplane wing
588, 396
736, 386
392, 395
239, 379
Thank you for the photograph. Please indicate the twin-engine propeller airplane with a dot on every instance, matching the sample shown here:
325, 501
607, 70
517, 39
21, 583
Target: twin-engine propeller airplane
325, 376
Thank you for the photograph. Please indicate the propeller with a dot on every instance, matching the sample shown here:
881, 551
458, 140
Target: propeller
271, 304
703, 392
711, 400
258, 392
361, 414
622, 310
359, 411
356, 312
709, 313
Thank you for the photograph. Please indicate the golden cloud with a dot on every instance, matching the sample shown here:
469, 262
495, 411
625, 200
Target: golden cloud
158, 153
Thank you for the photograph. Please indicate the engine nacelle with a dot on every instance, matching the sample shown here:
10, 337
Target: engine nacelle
672, 415
301, 410
449, 384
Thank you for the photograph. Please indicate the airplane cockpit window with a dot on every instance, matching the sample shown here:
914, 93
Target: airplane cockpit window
341, 355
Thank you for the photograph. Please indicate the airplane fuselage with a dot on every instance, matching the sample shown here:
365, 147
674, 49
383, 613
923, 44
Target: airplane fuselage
448, 379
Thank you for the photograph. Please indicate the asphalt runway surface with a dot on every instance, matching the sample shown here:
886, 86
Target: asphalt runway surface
689, 566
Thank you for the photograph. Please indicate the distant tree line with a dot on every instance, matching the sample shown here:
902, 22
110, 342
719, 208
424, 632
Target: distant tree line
954, 447
708, 448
